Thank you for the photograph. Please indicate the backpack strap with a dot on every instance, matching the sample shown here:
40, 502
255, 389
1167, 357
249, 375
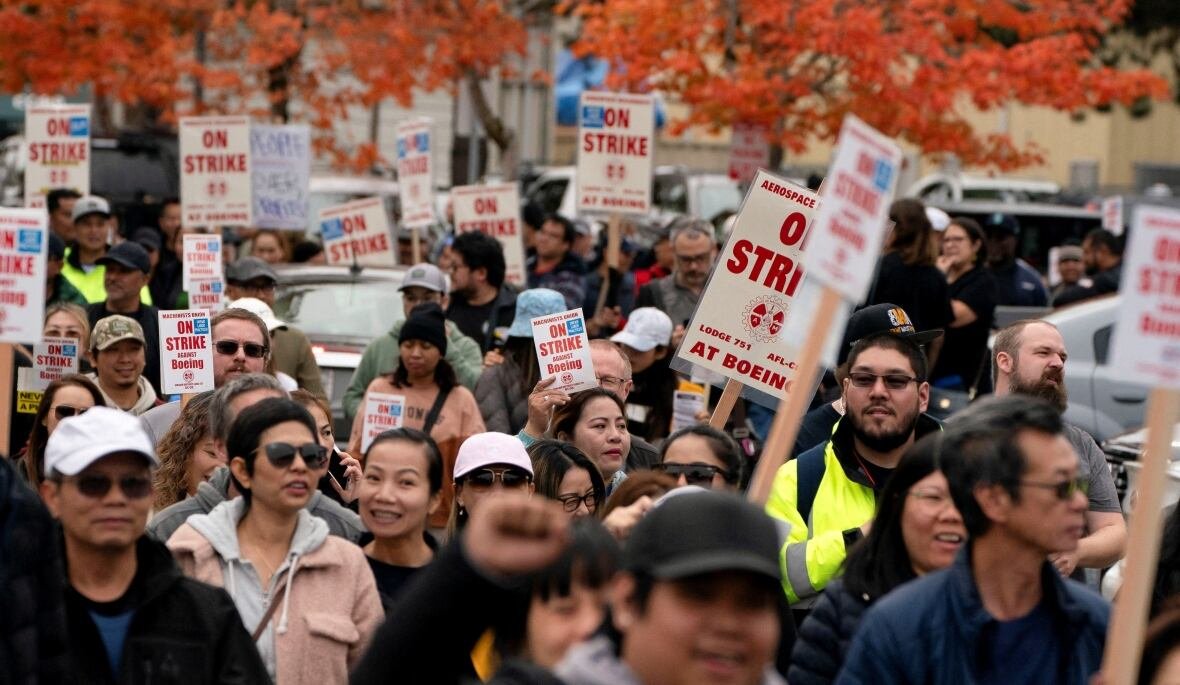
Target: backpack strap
810, 471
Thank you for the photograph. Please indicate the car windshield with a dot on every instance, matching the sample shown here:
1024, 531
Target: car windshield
362, 309
714, 199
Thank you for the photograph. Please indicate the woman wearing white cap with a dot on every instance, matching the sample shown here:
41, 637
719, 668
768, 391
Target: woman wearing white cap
487, 465
646, 342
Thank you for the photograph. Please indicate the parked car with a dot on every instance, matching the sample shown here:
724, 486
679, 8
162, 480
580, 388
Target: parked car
340, 310
953, 187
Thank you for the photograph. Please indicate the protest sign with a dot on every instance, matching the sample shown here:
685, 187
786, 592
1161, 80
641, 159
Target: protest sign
739, 328
615, 151
23, 244
215, 171
357, 231
58, 138
186, 351
748, 152
495, 210
688, 400
52, 359
382, 412
415, 177
1112, 214
206, 294
563, 351
280, 171
850, 228
202, 258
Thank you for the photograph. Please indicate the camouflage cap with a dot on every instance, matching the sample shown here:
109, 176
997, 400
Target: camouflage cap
114, 328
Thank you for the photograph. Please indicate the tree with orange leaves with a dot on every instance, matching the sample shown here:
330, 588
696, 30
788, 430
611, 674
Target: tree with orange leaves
911, 68
278, 60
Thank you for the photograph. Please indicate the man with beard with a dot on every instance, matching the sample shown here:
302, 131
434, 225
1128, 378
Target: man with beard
694, 251
828, 495
1102, 255
482, 304
1029, 359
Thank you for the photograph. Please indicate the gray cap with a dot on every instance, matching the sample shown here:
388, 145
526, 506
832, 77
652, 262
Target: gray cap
426, 276
249, 268
91, 204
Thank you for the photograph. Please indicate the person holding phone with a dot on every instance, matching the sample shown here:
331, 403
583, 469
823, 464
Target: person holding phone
342, 480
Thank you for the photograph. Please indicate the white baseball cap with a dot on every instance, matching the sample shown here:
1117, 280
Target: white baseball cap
646, 328
939, 219
79, 441
260, 309
486, 449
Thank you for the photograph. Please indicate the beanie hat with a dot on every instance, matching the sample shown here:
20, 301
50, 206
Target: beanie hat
427, 323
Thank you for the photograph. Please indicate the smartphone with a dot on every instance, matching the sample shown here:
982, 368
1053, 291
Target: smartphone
336, 469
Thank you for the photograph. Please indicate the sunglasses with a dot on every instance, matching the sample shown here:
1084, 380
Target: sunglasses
1063, 490
230, 348
694, 474
63, 411
483, 479
570, 502
282, 454
133, 487
893, 381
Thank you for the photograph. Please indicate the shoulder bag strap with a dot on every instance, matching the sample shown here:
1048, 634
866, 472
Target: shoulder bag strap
432, 415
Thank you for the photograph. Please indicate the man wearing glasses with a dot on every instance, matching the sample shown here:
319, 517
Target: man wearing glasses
130, 614
828, 494
694, 250
1029, 359
1000, 613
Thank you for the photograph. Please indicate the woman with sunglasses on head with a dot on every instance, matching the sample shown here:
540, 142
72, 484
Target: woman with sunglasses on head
188, 455
398, 493
702, 455
68, 396
564, 474
916, 530
308, 598
595, 422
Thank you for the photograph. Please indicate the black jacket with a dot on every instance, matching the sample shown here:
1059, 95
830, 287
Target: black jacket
500, 319
824, 636
33, 639
183, 631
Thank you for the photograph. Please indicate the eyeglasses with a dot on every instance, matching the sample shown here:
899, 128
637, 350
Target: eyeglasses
570, 502
1063, 490
282, 454
934, 500
694, 474
133, 487
612, 381
483, 479
893, 381
230, 348
694, 258
63, 411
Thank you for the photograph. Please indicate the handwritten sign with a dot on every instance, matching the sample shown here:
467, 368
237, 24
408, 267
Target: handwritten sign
357, 230
415, 177
202, 258
207, 295
280, 158
563, 350
382, 412
493, 209
215, 171
615, 151
23, 244
1146, 342
58, 137
847, 238
186, 351
748, 152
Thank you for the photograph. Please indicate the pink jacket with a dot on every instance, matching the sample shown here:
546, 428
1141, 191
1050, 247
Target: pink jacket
331, 606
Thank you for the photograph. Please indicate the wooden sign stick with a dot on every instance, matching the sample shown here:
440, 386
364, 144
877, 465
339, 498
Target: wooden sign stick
729, 397
416, 245
7, 378
1128, 623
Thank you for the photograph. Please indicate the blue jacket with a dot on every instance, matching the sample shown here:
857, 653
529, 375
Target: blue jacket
931, 631
824, 636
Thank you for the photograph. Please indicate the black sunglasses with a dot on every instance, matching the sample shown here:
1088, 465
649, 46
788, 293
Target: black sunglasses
63, 411
282, 454
1063, 490
893, 381
133, 487
694, 474
486, 478
230, 348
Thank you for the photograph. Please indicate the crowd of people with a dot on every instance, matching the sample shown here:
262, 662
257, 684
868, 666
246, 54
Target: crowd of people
509, 532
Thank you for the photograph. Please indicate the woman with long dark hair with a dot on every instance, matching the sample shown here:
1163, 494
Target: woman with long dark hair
561, 472
67, 396
973, 293
916, 530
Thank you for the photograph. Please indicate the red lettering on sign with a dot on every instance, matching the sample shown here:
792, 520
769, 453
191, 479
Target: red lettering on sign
615, 144
486, 205
211, 139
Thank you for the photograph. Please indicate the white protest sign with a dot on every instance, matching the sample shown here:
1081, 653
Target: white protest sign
357, 229
846, 242
186, 351
280, 171
739, 328
52, 359
563, 350
202, 258
1146, 343
23, 245
382, 412
495, 210
415, 177
748, 152
1112, 214
58, 137
615, 150
687, 402
206, 294
215, 171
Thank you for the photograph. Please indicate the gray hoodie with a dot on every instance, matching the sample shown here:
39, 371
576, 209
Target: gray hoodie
242, 582
595, 662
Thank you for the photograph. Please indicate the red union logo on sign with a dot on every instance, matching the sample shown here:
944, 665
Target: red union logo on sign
765, 317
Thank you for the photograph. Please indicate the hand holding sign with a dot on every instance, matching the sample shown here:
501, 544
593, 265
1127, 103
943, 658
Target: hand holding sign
563, 350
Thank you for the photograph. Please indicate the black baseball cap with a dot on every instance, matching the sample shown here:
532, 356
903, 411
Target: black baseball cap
691, 533
129, 254
883, 318
247, 269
